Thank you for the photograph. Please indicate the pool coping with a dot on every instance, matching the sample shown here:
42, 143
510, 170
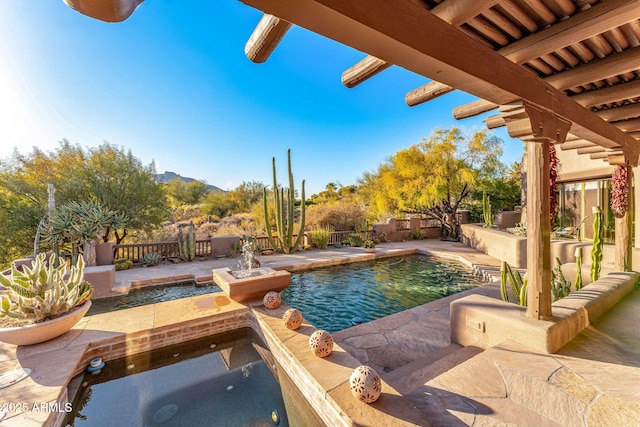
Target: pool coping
56, 362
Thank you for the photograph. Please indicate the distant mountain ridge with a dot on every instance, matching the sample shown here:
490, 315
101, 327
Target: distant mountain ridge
167, 176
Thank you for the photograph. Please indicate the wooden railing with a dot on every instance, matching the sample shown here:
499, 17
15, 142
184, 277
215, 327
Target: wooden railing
135, 251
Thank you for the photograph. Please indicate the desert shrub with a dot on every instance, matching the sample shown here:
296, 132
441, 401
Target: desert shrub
416, 235
320, 237
354, 240
339, 216
188, 213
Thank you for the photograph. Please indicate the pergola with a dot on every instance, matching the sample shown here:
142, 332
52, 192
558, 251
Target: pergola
561, 72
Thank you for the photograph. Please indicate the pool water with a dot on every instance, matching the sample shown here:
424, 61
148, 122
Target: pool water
214, 381
151, 295
330, 297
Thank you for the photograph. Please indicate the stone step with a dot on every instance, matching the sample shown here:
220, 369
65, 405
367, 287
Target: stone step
414, 374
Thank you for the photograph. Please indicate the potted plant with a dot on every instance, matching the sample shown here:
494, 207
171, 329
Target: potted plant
43, 301
369, 246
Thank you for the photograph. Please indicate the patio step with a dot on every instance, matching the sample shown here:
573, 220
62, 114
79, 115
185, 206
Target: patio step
414, 374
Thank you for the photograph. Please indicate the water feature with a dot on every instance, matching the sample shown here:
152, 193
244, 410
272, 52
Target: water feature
247, 260
151, 295
226, 379
331, 297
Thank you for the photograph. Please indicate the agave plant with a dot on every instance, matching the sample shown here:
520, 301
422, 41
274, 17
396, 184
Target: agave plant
42, 291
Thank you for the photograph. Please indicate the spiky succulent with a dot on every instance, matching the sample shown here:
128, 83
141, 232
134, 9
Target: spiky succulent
43, 290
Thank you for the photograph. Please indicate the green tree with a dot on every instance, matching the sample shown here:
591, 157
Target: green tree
108, 175
186, 193
434, 176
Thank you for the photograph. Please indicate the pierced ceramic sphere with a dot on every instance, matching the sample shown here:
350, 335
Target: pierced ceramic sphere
321, 343
272, 300
365, 384
292, 318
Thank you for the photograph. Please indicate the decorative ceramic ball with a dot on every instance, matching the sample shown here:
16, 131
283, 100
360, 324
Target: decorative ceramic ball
365, 384
321, 343
292, 318
272, 300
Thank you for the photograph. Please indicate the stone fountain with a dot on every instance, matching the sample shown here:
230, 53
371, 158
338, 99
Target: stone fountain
250, 281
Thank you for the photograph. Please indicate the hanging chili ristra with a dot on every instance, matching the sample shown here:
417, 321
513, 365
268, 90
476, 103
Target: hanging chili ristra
619, 191
553, 188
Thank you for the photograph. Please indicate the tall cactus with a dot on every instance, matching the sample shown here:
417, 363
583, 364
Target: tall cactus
596, 251
577, 284
187, 243
284, 205
486, 210
516, 281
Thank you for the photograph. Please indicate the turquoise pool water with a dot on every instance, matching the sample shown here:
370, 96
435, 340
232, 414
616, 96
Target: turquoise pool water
151, 295
330, 297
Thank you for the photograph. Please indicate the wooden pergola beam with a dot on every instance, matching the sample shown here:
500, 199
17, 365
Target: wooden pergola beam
610, 66
474, 108
363, 70
453, 12
265, 37
620, 113
606, 154
613, 65
395, 32
581, 143
590, 23
632, 125
609, 94
591, 150
596, 20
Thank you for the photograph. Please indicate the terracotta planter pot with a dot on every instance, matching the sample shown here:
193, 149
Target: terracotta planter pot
370, 250
43, 331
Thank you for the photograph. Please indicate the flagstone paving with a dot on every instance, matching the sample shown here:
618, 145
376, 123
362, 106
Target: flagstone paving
591, 381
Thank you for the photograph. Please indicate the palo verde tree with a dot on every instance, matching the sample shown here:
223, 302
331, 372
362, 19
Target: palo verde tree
435, 176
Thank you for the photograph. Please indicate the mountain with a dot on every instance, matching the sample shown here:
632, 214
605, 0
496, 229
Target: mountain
164, 178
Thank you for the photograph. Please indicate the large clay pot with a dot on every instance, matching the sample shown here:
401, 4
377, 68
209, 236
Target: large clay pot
104, 253
43, 331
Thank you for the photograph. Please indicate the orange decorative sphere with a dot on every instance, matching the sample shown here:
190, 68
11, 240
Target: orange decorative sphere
321, 343
365, 384
272, 300
292, 318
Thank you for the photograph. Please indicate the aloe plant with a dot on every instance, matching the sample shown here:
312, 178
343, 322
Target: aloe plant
42, 291
284, 201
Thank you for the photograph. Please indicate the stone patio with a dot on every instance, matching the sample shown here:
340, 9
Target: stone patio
427, 380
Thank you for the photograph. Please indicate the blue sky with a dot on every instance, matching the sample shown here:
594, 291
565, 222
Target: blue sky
173, 85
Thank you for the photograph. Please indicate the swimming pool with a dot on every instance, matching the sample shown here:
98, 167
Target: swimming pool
330, 297
151, 295
226, 379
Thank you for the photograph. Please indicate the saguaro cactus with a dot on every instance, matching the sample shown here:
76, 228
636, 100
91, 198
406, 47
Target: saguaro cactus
187, 243
284, 205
